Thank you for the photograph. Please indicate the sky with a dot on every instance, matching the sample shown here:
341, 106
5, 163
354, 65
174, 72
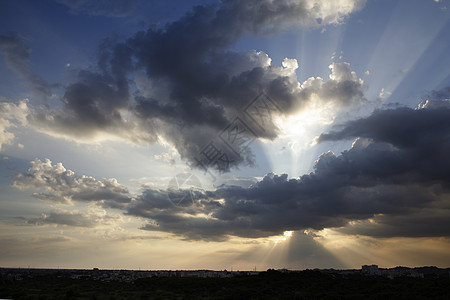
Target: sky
224, 134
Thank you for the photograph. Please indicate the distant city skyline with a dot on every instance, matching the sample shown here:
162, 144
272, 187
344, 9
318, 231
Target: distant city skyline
211, 134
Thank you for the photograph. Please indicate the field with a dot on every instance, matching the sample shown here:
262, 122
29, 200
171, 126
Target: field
266, 285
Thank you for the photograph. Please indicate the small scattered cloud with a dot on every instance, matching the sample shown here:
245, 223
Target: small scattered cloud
383, 95
76, 219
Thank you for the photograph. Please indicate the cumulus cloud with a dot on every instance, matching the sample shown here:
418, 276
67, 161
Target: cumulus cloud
17, 56
190, 85
190, 126
63, 186
396, 171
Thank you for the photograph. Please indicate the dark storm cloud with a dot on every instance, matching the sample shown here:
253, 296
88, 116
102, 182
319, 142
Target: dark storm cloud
207, 82
402, 127
17, 56
417, 223
394, 181
194, 86
91, 105
398, 169
440, 94
94, 103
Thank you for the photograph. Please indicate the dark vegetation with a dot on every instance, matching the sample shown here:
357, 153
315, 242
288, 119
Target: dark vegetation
267, 285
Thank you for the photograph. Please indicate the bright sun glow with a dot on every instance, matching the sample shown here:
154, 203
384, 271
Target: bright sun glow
280, 238
300, 129
287, 233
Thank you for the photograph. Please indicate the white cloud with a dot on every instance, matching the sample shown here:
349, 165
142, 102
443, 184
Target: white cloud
343, 72
11, 115
6, 137
344, 87
290, 63
384, 94
63, 186
331, 12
